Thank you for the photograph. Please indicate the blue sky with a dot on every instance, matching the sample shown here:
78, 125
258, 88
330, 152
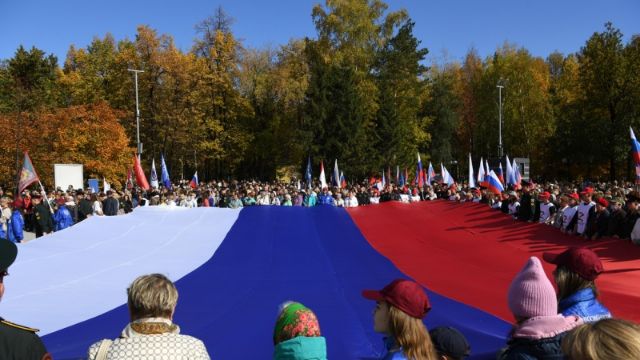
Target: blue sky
447, 28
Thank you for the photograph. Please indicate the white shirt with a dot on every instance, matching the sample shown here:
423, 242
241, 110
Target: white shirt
545, 212
351, 201
568, 215
583, 216
513, 208
97, 208
404, 198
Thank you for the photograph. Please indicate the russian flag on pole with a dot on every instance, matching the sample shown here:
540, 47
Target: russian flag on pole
343, 181
486, 173
420, 173
517, 177
635, 146
430, 174
472, 182
446, 176
494, 184
323, 179
481, 174
510, 179
499, 173
194, 181
336, 175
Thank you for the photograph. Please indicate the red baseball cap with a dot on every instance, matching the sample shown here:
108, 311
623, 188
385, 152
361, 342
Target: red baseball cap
580, 260
574, 196
587, 191
603, 202
406, 295
544, 195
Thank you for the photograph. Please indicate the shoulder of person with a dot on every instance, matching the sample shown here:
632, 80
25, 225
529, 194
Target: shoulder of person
4, 324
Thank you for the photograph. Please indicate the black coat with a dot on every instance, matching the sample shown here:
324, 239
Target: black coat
616, 223
19, 342
44, 220
84, 209
525, 212
110, 206
528, 349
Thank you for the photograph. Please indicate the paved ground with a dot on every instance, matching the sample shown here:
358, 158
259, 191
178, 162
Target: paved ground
28, 236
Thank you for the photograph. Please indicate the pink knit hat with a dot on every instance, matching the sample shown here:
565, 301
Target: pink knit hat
531, 293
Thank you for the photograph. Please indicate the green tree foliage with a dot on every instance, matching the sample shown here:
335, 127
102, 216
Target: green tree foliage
399, 128
604, 82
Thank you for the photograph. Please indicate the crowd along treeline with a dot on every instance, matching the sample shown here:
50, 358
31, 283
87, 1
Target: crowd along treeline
359, 91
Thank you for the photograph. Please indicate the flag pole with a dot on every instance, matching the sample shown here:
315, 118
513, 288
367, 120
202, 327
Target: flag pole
45, 196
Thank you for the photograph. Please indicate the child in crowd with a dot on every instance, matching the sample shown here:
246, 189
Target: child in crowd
400, 307
449, 343
568, 214
539, 328
575, 275
296, 335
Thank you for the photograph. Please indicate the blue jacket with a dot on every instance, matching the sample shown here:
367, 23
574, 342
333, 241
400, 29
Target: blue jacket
389, 343
539, 349
325, 199
301, 348
15, 227
62, 218
583, 303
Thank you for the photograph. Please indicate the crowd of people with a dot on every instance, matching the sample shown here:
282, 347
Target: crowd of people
591, 210
568, 324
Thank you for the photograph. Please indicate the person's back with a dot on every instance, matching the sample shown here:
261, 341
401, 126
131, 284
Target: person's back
151, 333
62, 218
539, 329
141, 341
111, 206
296, 335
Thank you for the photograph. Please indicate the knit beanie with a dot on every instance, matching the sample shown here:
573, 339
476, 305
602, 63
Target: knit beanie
531, 293
295, 320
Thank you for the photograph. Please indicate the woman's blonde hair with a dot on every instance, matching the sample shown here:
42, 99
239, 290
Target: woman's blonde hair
569, 282
610, 339
411, 334
152, 295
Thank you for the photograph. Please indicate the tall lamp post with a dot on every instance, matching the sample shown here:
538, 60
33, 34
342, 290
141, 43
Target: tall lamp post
499, 86
135, 72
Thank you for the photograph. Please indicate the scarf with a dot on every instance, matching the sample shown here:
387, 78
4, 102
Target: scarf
149, 326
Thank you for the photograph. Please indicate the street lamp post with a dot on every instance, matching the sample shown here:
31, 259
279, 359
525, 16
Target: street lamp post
500, 120
135, 72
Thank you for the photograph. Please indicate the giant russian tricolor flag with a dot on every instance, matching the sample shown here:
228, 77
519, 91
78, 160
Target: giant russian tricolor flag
234, 267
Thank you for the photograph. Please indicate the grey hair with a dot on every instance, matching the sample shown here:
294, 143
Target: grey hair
152, 295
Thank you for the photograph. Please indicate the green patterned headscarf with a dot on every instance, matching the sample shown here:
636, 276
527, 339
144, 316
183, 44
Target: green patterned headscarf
295, 320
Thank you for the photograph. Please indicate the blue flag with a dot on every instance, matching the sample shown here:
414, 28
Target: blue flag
165, 174
307, 174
